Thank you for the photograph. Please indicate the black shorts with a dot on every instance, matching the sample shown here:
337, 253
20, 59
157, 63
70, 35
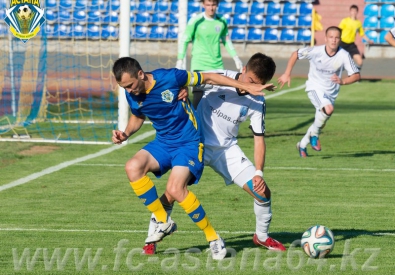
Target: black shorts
351, 48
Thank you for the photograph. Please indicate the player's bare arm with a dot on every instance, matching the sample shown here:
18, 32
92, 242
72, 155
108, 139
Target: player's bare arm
286, 76
346, 81
134, 124
254, 89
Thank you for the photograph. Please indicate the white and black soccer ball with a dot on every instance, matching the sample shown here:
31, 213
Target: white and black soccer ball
24, 12
317, 241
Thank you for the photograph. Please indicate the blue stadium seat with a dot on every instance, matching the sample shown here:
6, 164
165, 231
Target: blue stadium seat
387, 10
387, 22
3, 30
50, 15
172, 32
111, 17
173, 19
64, 16
382, 37
109, 32
287, 35
304, 20
174, 6
132, 17
159, 18
93, 32
256, 20
228, 18
225, 7
113, 5
143, 17
66, 4
288, 20
241, 7
371, 10
145, 6
79, 16
371, 22
81, 4
240, 19
78, 31
372, 1
190, 15
157, 32
49, 4
94, 16
254, 35
273, 8
290, 8
273, 20
270, 35
305, 8
194, 7
303, 36
238, 34
63, 30
97, 5
373, 35
133, 6
140, 32
257, 7
161, 6
387, 1
51, 30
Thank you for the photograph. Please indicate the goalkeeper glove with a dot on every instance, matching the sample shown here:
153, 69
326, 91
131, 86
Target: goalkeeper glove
180, 64
238, 63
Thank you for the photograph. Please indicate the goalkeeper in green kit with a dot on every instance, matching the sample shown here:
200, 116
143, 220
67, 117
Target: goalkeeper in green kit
206, 31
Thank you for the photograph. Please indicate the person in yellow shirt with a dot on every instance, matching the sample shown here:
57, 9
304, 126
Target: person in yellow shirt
350, 26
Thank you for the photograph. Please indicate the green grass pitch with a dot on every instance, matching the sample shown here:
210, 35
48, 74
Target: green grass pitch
85, 219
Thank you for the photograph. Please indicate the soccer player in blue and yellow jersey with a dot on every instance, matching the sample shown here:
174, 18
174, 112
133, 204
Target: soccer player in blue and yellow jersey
178, 145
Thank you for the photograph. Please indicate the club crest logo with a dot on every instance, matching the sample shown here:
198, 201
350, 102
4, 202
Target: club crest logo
167, 96
24, 18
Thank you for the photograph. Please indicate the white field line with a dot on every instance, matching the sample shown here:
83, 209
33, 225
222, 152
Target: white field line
347, 233
277, 168
72, 162
100, 153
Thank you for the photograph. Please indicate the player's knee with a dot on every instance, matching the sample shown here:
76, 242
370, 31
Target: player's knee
328, 110
261, 196
134, 168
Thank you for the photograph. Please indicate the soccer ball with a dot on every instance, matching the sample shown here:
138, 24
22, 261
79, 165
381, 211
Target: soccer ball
317, 241
24, 12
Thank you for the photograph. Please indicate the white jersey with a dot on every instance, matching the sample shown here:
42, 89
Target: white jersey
222, 109
323, 67
392, 31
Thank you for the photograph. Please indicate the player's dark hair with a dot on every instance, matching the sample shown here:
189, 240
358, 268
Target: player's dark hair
262, 66
333, 28
125, 65
354, 7
211, 0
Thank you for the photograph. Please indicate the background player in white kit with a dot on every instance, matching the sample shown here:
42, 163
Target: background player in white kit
390, 37
324, 79
221, 111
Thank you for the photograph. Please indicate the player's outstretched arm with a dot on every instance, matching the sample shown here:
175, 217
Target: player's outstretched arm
220, 80
134, 124
346, 81
286, 76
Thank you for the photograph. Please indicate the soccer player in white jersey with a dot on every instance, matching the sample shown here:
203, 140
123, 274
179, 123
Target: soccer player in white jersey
327, 63
390, 37
221, 111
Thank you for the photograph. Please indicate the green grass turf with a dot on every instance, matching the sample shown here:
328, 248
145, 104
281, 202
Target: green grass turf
74, 220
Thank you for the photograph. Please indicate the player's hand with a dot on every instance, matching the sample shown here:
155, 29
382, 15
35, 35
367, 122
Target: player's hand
284, 79
238, 63
336, 79
118, 136
183, 94
259, 184
180, 64
257, 89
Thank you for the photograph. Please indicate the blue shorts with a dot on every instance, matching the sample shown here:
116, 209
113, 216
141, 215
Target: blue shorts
190, 155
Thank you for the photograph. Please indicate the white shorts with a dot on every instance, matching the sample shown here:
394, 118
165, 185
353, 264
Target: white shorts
230, 163
320, 99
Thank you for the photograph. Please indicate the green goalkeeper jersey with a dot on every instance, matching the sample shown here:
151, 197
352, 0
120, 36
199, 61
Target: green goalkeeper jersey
206, 35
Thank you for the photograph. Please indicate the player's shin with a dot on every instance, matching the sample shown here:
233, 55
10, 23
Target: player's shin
195, 211
146, 191
263, 214
319, 122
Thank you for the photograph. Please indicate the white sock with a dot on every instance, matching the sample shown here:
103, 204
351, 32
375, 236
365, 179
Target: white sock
263, 213
152, 221
319, 122
306, 139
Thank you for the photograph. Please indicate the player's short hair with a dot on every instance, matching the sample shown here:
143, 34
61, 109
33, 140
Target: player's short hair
262, 66
210, 1
333, 28
125, 65
354, 7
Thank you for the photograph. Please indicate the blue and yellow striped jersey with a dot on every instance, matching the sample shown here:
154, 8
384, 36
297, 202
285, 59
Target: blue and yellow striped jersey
175, 121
